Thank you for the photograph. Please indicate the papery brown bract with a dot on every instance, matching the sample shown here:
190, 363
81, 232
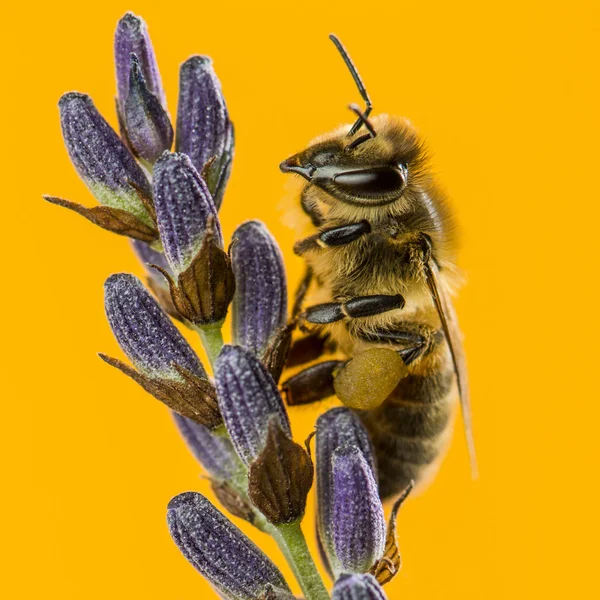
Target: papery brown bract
280, 478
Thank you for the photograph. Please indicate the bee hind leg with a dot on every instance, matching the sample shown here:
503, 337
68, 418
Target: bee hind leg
410, 340
313, 384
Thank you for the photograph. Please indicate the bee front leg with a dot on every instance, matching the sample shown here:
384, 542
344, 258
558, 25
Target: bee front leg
334, 236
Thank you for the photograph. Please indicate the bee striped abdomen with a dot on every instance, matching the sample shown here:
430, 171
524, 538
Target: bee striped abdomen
410, 430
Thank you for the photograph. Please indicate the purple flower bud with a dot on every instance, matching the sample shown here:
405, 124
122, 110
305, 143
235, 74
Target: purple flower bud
260, 301
103, 162
132, 36
215, 453
248, 400
144, 332
359, 527
183, 205
357, 587
204, 131
222, 554
337, 428
149, 130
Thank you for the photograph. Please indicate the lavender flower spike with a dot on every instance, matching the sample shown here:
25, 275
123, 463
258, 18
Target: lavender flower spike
260, 301
359, 527
144, 332
215, 453
103, 162
248, 399
337, 428
357, 587
222, 554
132, 36
149, 130
204, 131
183, 205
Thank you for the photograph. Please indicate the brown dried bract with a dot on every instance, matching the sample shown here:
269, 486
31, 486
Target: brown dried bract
280, 478
276, 354
233, 501
389, 564
194, 397
113, 219
205, 289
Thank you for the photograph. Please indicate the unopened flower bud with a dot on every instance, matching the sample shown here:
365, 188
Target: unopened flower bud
204, 131
260, 301
149, 130
337, 428
248, 399
280, 470
359, 526
167, 367
203, 283
102, 160
132, 36
357, 587
222, 554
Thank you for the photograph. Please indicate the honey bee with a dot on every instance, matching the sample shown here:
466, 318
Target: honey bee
380, 264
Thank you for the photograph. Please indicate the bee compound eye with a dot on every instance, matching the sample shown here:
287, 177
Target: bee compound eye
371, 183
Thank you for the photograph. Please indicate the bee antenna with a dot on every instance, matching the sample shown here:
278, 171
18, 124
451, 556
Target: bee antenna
359, 84
362, 117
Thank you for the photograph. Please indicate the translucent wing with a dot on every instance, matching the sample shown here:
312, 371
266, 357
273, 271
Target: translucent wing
453, 336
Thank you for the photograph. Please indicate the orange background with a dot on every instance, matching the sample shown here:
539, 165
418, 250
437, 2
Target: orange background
506, 96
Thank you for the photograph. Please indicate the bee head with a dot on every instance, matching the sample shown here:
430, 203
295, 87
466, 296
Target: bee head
372, 163
362, 170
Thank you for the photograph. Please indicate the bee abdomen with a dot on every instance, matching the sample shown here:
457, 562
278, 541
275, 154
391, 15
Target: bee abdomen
410, 429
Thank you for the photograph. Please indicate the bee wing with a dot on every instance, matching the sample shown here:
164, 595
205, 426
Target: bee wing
453, 336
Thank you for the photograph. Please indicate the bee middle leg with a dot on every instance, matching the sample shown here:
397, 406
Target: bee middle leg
360, 306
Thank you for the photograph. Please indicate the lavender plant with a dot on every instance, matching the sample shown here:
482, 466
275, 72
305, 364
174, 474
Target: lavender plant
234, 423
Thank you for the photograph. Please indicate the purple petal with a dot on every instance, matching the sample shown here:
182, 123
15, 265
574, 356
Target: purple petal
102, 160
260, 301
220, 551
248, 398
358, 587
215, 453
183, 205
359, 527
203, 127
337, 428
149, 129
132, 36
144, 332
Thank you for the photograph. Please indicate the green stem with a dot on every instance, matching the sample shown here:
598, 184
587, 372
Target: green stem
212, 340
292, 542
